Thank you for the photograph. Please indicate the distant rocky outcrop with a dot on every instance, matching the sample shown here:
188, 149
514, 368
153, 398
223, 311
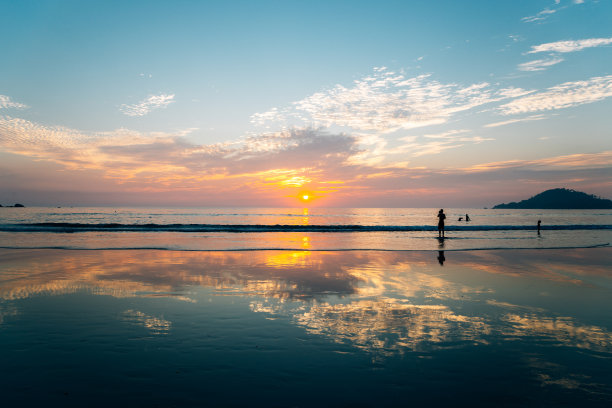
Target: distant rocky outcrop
16, 205
560, 199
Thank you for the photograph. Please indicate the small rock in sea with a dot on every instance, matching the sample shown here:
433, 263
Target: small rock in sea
19, 205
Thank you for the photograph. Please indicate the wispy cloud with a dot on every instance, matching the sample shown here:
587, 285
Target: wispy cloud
562, 96
572, 161
539, 65
147, 105
542, 15
6, 103
508, 122
548, 11
385, 102
438, 142
570, 45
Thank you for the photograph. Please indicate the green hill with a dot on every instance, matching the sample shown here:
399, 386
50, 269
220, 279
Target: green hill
561, 198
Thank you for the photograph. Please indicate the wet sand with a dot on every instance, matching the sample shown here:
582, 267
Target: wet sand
304, 328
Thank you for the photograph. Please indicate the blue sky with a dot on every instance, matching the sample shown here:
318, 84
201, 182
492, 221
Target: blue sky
359, 103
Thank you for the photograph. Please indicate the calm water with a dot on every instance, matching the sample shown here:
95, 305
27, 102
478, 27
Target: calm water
145, 328
353, 228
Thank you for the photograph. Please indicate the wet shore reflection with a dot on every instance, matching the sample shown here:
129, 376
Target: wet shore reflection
542, 314
382, 302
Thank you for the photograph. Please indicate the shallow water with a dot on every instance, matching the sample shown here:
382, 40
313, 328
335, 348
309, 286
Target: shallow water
306, 328
197, 228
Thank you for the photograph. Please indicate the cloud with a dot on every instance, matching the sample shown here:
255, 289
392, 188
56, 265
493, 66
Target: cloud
379, 152
6, 103
539, 65
161, 161
565, 95
147, 105
542, 15
343, 169
385, 102
573, 161
437, 143
364, 165
570, 46
508, 122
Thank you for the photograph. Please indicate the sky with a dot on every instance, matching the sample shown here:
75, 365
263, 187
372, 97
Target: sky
260, 103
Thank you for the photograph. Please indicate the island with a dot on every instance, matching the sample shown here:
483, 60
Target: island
560, 199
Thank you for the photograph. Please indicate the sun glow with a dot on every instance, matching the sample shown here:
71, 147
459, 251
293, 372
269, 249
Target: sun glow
305, 196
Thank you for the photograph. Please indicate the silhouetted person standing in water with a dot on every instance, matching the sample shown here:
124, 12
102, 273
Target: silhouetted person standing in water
467, 218
539, 222
441, 218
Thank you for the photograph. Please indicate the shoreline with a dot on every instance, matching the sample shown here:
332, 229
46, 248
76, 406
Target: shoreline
603, 245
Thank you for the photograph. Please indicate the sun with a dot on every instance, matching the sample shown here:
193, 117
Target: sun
305, 196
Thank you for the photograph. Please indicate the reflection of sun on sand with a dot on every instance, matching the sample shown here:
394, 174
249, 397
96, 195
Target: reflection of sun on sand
284, 259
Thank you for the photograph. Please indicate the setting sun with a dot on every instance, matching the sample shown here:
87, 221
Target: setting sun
305, 197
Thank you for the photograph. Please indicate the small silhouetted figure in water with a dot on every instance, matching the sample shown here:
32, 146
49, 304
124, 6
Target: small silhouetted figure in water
467, 218
460, 219
539, 226
441, 218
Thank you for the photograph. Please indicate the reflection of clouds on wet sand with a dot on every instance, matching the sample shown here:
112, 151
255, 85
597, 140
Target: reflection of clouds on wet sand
7, 311
168, 273
562, 330
390, 325
383, 302
407, 279
557, 375
155, 325
573, 267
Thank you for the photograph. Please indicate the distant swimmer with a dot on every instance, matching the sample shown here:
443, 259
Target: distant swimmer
539, 226
460, 219
467, 218
441, 218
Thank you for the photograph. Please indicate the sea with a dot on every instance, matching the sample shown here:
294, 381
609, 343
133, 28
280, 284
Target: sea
304, 307
299, 228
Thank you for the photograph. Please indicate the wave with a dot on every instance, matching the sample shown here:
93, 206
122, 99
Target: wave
292, 249
63, 227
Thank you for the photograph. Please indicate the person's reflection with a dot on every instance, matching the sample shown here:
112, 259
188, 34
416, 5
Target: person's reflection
441, 257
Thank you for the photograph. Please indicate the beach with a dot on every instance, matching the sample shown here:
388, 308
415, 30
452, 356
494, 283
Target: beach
138, 327
305, 204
